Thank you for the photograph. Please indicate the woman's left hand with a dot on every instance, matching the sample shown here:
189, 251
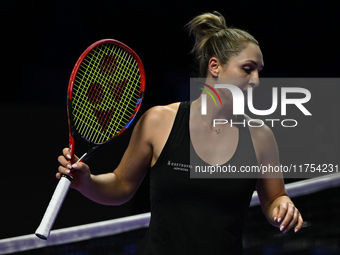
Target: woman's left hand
286, 215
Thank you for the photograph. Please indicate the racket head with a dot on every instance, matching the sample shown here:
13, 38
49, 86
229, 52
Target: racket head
105, 92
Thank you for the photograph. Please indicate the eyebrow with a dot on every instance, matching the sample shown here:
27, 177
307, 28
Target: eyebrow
252, 61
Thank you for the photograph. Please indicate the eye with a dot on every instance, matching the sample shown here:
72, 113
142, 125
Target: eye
247, 70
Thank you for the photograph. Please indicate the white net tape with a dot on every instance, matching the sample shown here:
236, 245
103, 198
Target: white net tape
116, 226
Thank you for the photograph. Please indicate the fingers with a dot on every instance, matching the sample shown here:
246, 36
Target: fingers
63, 161
282, 213
58, 175
78, 171
289, 216
67, 154
290, 220
279, 212
67, 168
66, 163
78, 166
276, 213
299, 225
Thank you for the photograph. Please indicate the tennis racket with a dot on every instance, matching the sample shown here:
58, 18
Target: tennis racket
105, 91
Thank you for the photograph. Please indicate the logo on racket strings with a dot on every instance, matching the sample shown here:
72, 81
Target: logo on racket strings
110, 91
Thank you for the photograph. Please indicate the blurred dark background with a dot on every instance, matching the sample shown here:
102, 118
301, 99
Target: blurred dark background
41, 41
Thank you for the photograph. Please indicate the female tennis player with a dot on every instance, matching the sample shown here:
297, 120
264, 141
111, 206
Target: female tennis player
197, 216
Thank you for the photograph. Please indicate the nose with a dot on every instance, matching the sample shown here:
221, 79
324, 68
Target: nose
254, 80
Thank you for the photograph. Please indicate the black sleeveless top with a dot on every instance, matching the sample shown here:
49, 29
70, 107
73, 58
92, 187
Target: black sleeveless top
196, 216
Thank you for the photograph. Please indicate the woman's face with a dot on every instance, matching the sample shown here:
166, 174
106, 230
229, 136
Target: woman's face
247, 65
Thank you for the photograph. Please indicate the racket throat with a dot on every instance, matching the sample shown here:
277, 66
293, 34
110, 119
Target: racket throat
87, 155
84, 157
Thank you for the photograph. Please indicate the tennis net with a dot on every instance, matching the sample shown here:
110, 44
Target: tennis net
318, 199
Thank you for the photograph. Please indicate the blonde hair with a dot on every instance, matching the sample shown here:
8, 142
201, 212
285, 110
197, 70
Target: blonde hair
214, 39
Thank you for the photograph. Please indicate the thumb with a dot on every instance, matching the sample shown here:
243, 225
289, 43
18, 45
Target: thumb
79, 166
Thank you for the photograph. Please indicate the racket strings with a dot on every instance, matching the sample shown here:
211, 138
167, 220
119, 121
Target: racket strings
105, 93
100, 116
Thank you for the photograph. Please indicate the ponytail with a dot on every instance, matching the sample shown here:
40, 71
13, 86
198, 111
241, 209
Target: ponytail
214, 39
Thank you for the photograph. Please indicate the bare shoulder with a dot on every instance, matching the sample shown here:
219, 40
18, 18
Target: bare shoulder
163, 110
156, 125
157, 121
159, 115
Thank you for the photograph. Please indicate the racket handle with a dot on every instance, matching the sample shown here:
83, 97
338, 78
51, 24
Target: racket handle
43, 231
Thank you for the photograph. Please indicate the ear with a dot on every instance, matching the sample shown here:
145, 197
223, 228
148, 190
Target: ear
214, 67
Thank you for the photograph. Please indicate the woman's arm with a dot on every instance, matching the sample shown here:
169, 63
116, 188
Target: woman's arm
120, 185
276, 205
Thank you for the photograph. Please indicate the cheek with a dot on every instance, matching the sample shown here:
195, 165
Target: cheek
241, 83
238, 73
